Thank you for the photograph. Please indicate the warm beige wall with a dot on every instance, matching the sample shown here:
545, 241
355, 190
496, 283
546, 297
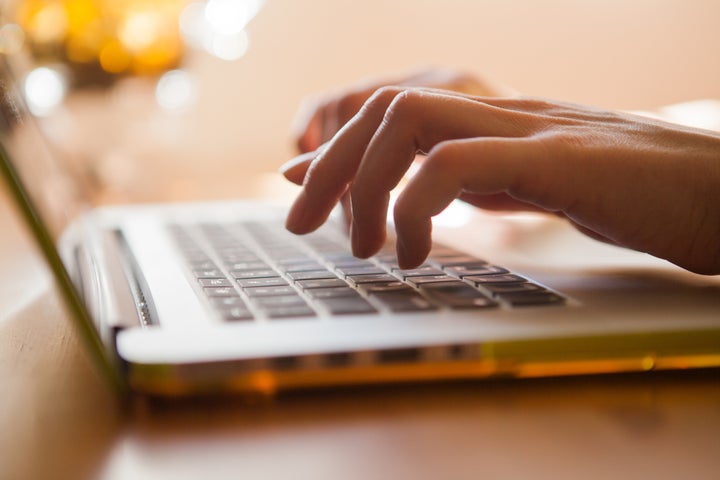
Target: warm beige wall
621, 53
626, 54
615, 53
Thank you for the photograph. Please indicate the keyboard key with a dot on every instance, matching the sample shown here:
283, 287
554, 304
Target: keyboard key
311, 275
247, 266
419, 272
243, 274
364, 270
395, 267
215, 282
262, 282
270, 291
220, 292
528, 299
378, 278
237, 314
373, 288
497, 289
347, 305
322, 283
492, 279
280, 301
405, 301
210, 273
431, 279
457, 295
468, 270
334, 292
291, 311
352, 263
227, 302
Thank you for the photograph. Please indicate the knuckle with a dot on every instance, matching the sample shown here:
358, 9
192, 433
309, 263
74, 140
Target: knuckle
404, 104
384, 94
444, 156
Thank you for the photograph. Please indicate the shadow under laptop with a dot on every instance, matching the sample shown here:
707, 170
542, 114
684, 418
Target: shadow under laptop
61, 419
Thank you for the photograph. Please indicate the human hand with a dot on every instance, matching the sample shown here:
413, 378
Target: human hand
320, 117
627, 180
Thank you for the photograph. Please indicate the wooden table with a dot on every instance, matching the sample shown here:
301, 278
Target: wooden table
58, 420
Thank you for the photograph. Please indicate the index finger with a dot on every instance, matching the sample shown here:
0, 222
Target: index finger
330, 173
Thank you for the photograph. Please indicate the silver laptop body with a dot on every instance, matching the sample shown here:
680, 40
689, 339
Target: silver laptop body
182, 299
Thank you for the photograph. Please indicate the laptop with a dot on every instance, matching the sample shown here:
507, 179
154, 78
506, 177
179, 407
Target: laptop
205, 298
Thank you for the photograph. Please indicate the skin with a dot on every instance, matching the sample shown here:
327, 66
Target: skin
623, 179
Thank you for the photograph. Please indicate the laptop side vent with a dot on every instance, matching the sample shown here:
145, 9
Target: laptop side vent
136, 282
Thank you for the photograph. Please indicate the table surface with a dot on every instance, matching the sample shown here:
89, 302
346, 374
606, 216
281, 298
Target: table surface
57, 418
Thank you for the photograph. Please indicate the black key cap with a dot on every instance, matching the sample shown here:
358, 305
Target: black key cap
419, 272
215, 282
227, 302
280, 301
497, 289
243, 274
352, 263
247, 266
348, 305
373, 288
395, 267
491, 279
220, 292
269, 291
291, 311
378, 278
467, 270
311, 275
457, 295
261, 282
431, 279
405, 301
528, 299
322, 283
364, 270
210, 273
334, 292
237, 314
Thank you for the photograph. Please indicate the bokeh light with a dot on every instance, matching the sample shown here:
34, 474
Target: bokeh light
218, 26
175, 90
45, 89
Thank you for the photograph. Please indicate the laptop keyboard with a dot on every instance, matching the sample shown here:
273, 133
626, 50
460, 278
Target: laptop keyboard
249, 271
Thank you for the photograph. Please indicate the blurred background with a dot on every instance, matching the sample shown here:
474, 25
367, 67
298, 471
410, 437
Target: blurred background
171, 99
